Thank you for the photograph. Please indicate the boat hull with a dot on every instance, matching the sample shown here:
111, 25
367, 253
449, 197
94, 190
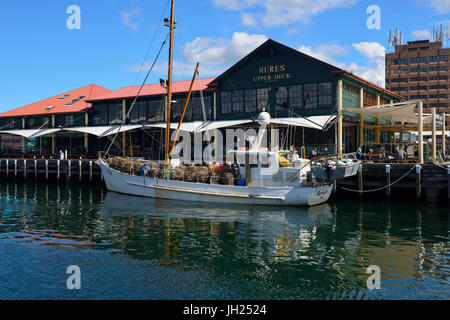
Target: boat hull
215, 193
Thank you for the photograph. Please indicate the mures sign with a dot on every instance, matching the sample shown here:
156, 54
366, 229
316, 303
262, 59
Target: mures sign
271, 73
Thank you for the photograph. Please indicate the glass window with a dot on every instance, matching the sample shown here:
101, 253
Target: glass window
282, 99
295, 96
311, 96
250, 100
263, 98
324, 95
226, 102
156, 110
238, 101
115, 113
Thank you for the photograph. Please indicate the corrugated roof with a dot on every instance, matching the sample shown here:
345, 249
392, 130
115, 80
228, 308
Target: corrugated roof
68, 102
153, 90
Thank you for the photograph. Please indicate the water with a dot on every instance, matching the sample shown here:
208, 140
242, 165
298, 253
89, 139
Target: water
135, 248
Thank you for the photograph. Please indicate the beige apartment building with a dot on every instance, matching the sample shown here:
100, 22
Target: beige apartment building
421, 70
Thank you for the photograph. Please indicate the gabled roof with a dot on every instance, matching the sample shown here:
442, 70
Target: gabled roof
270, 42
261, 48
153, 89
68, 102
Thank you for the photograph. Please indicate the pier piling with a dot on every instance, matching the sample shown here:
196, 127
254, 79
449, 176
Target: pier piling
448, 182
388, 180
418, 182
360, 180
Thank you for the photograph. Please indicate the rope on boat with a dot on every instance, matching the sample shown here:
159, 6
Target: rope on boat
381, 188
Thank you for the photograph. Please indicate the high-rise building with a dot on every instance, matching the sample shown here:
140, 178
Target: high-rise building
421, 70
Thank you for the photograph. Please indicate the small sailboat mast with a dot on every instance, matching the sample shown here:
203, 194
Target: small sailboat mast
171, 23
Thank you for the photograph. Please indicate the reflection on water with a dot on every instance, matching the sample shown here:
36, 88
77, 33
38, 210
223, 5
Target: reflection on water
132, 247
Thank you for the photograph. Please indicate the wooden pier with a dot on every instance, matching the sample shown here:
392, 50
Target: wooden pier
425, 181
52, 169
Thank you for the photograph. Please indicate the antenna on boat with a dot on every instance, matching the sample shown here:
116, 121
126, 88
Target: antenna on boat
169, 23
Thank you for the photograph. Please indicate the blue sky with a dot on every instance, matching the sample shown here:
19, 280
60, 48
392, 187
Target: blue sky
40, 57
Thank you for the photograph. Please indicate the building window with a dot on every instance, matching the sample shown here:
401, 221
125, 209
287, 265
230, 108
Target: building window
418, 60
438, 68
418, 88
399, 89
68, 120
438, 58
100, 115
226, 102
438, 77
414, 70
438, 96
395, 62
238, 101
156, 110
440, 86
311, 96
282, 99
419, 79
115, 113
263, 98
325, 95
295, 96
250, 100
421, 96
369, 99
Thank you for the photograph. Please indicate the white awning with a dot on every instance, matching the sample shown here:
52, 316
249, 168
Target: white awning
404, 111
30, 133
115, 129
185, 126
102, 131
313, 122
211, 125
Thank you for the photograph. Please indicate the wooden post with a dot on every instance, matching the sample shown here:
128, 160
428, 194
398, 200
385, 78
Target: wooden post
124, 135
15, 168
377, 130
90, 171
420, 130
69, 170
46, 169
443, 135
86, 135
80, 163
418, 182
388, 180
340, 115
58, 162
448, 182
24, 168
433, 132
7, 167
360, 180
361, 118
35, 169
53, 135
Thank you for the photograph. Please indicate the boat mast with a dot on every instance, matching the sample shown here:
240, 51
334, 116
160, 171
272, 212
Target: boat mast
169, 85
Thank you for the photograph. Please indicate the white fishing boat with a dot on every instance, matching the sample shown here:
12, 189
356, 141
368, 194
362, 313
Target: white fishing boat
261, 182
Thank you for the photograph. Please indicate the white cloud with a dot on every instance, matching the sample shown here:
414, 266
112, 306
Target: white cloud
421, 34
372, 51
271, 13
214, 54
441, 6
127, 16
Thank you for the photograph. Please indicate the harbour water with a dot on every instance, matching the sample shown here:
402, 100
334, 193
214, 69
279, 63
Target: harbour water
136, 248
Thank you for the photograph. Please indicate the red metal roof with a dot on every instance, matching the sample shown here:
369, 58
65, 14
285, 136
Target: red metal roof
58, 105
367, 82
153, 89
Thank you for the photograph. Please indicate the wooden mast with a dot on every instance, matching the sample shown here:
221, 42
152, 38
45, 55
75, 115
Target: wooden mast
169, 85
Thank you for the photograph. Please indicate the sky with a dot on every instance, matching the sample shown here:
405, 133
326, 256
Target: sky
47, 48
